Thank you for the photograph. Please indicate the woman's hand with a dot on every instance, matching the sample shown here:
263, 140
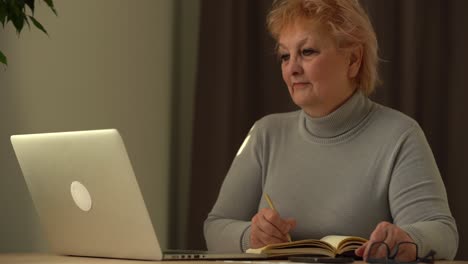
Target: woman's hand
269, 228
391, 235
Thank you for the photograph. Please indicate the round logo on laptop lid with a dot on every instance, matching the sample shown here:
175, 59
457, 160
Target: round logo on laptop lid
81, 196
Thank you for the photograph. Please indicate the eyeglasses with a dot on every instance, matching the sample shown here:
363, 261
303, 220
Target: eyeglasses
403, 253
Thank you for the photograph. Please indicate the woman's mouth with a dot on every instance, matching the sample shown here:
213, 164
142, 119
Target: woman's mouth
300, 85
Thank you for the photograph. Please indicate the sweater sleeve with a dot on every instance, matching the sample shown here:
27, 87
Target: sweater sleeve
418, 200
227, 227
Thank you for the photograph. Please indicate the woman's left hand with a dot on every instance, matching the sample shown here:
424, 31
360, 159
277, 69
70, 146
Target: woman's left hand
391, 235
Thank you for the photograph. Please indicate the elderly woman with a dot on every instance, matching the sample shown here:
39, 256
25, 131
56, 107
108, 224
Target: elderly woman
342, 164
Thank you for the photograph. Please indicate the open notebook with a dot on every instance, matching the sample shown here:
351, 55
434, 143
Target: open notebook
88, 199
331, 246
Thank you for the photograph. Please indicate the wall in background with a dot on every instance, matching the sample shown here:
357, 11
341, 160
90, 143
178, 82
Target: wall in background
106, 64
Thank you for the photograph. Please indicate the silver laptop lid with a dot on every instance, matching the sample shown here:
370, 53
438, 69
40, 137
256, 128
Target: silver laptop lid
86, 194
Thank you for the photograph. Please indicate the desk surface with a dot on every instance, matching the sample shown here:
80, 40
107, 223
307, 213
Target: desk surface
52, 259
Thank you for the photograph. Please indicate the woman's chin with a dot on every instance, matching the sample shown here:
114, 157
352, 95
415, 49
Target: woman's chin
311, 106
304, 102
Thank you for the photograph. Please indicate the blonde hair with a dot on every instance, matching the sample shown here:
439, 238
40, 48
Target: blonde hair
344, 21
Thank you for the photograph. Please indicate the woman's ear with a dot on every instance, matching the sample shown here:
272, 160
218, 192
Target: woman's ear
355, 59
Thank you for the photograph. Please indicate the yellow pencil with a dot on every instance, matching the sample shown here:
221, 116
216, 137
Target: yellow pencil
272, 206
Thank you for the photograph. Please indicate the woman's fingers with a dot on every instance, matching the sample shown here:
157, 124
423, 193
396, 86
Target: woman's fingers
360, 251
263, 238
379, 234
273, 224
391, 236
292, 223
268, 228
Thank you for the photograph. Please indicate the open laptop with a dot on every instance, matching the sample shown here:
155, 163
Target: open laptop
88, 199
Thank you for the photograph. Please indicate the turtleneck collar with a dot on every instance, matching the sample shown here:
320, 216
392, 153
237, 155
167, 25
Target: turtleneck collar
339, 122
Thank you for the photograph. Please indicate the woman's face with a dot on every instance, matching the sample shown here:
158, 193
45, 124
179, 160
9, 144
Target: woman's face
318, 76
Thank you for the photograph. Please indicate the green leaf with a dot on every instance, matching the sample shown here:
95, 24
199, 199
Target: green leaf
3, 58
15, 14
51, 5
19, 6
30, 3
38, 25
18, 22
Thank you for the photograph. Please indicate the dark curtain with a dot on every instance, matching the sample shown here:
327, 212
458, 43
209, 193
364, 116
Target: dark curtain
423, 51
239, 81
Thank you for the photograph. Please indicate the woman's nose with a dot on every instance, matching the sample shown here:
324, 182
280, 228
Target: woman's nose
295, 67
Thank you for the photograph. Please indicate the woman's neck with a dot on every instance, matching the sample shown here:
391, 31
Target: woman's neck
324, 109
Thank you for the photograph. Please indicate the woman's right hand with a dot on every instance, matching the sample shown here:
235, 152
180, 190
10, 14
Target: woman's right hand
269, 228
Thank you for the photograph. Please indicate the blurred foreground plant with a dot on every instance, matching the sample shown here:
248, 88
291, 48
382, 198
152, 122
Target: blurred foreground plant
15, 11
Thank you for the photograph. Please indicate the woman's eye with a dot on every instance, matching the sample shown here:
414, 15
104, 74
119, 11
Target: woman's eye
284, 57
308, 52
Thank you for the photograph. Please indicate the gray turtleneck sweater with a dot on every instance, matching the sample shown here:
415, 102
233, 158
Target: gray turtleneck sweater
340, 174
